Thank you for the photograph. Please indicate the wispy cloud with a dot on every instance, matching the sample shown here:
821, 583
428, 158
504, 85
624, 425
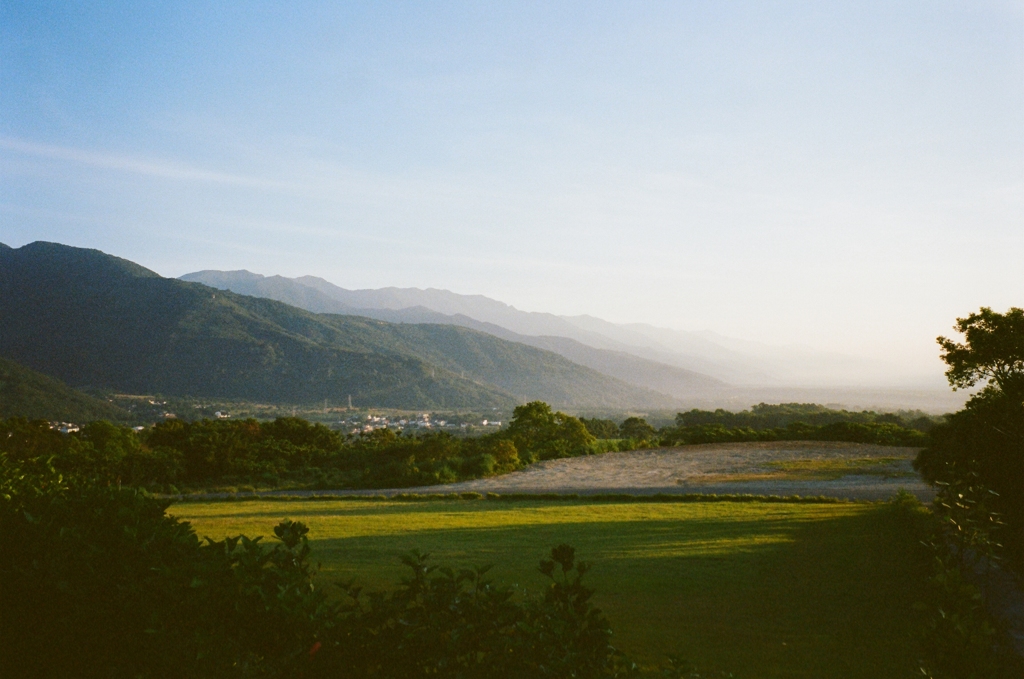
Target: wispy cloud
153, 168
307, 177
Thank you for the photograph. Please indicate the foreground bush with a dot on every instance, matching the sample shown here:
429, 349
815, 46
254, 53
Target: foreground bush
962, 639
101, 582
440, 622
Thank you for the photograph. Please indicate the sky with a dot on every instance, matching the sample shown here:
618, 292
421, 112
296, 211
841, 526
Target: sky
845, 176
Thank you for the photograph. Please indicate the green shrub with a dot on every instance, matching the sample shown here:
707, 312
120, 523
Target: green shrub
446, 623
101, 582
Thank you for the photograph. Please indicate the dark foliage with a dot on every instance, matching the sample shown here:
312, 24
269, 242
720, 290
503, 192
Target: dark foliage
880, 433
96, 581
976, 461
446, 623
782, 415
636, 428
962, 639
601, 429
992, 351
985, 440
545, 434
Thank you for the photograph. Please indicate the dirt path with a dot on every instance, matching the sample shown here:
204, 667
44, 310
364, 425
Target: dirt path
844, 470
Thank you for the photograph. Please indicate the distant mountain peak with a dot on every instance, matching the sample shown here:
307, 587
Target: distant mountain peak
69, 261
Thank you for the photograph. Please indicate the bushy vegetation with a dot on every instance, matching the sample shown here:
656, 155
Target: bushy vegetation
764, 422
976, 461
983, 444
879, 433
176, 455
782, 415
99, 582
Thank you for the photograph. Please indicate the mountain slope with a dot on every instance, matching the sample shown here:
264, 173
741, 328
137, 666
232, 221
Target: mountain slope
632, 369
737, 362
690, 351
91, 319
272, 287
27, 393
518, 369
477, 307
639, 372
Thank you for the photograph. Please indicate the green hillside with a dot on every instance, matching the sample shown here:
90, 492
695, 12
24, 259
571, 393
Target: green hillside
640, 372
90, 319
524, 371
26, 393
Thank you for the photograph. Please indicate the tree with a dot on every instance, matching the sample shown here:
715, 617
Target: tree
985, 440
993, 351
637, 428
602, 429
536, 429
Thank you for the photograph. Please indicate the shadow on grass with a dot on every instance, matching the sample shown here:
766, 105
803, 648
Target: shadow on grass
807, 595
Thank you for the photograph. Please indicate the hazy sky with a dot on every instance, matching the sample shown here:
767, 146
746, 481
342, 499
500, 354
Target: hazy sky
849, 177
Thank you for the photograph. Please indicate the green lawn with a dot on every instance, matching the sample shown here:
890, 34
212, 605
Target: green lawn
830, 469
757, 589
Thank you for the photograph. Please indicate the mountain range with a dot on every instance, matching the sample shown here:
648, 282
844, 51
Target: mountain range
709, 362
94, 320
89, 319
488, 316
699, 369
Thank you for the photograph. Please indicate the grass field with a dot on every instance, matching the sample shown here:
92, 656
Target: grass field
756, 589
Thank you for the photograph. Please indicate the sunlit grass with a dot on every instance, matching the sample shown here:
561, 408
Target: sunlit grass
817, 470
758, 589
835, 468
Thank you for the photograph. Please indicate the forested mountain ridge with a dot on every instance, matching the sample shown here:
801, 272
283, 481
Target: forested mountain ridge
686, 364
444, 302
317, 295
90, 319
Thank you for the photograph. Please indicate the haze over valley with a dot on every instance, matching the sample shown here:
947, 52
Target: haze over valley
696, 368
97, 321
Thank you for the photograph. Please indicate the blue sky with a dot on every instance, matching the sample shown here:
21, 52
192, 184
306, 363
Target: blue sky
847, 176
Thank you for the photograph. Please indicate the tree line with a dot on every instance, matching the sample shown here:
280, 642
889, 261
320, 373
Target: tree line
764, 422
175, 455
